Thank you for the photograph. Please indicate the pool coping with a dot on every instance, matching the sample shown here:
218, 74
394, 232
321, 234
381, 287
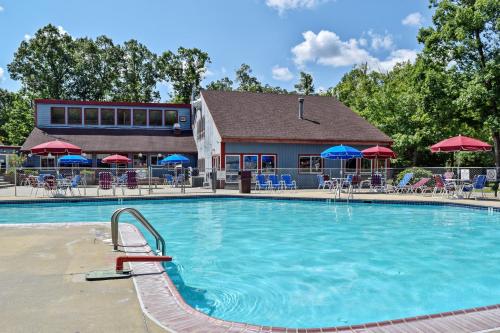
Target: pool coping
162, 302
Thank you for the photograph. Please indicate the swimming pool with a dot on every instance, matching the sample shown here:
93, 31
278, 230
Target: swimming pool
310, 263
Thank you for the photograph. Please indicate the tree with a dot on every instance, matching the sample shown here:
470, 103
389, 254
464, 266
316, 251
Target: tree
465, 35
185, 70
95, 71
305, 85
247, 82
137, 74
44, 63
274, 90
224, 84
16, 119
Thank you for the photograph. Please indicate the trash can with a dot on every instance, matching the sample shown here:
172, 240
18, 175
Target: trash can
245, 183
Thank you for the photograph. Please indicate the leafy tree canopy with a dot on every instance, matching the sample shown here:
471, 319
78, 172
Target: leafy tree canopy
305, 85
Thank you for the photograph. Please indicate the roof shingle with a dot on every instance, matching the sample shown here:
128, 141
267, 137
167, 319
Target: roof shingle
260, 116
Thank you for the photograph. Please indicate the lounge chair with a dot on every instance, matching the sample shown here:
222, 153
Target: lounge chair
442, 187
288, 183
479, 183
36, 183
421, 186
169, 179
74, 184
50, 184
274, 183
323, 182
356, 181
132, 183
261, 183
403, 183
376, 183
105, 182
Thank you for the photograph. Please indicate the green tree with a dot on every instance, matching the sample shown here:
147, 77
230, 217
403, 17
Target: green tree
44, 63
305, 85
465, 35
95, 72
185, 70
138, 74
224, 84
274, 90
245, 80
16, 119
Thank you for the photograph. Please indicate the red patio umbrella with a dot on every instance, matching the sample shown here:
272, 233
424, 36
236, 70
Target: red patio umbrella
378, 152
116, 159
460, 143
56, 147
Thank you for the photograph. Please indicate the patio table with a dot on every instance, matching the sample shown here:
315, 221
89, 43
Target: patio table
459, 186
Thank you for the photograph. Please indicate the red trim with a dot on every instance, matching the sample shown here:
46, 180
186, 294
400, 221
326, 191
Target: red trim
131, 104
306, 141
12, 147
223, 155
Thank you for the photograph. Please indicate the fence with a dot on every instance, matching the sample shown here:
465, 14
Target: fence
77, 181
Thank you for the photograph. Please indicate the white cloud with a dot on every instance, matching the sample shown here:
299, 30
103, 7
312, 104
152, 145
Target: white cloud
282, 73
326, 48
380, 41
61, 30
1, 73
27, 37
414, 19
284, 5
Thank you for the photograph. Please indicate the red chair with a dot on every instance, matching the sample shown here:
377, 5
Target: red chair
132, 183
105, 182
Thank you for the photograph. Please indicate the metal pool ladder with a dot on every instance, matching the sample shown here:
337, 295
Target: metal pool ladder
160, 242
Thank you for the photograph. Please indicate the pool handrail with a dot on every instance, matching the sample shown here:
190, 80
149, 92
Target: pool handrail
160, 242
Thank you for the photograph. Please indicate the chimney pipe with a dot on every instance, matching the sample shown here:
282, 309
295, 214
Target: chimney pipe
301, 108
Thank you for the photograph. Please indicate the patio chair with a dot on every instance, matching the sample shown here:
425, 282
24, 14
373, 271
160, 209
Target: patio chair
448, 175
479, 183
324, 181
274, 183
132, 183
421, 186
288, 183
403, 183
105, 182
356, 181
179, 180
376, 183
169, 179
261, 183
74, 184
50, 184
36, 183
441, 186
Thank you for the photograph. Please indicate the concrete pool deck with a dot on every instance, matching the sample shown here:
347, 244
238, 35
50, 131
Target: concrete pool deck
43, 270
43, 287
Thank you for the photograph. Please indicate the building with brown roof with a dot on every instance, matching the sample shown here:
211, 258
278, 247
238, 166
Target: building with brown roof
263, 132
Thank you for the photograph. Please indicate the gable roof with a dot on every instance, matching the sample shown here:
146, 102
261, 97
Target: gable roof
115, 140
261, 117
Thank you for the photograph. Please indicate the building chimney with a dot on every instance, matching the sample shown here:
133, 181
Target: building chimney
301, 108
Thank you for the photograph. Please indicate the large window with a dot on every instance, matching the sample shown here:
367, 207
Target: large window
170, 117
91, 116
140, 161
47, 162
123, 117
75, 116
107, 116
250, 162
57, 115
155, 159
140, 117
232, 168
310, 164
155, 117
268, 163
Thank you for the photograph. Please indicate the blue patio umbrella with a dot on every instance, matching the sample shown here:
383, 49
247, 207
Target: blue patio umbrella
73, 159
341, 153
174, 159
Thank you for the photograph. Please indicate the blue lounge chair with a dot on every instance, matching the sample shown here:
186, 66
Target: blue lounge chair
261, 183
169, 179
274, 183
479, 183
403, 184
288, 183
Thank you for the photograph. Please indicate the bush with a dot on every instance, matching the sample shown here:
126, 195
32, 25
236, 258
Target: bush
418, 174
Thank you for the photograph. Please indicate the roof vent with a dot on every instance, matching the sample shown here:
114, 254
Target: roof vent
301, 108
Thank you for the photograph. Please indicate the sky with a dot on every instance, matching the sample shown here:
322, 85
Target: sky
277, 38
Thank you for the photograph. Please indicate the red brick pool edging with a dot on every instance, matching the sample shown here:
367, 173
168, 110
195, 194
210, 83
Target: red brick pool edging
162, 302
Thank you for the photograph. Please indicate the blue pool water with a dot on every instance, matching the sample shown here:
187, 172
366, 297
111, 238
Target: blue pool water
311, 264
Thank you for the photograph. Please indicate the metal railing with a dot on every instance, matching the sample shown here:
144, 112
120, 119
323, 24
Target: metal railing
160, 242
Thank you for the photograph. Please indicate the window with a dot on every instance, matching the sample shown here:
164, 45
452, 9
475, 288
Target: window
170, 117
310, 164
232, 168
57, 115
75, 116
155, 159
107, 116
140, 161
139, 117
250, 162
123, 117
91, 116
47, 162
155, 117
268, 163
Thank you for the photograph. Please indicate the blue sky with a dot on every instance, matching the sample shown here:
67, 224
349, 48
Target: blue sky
277, 38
